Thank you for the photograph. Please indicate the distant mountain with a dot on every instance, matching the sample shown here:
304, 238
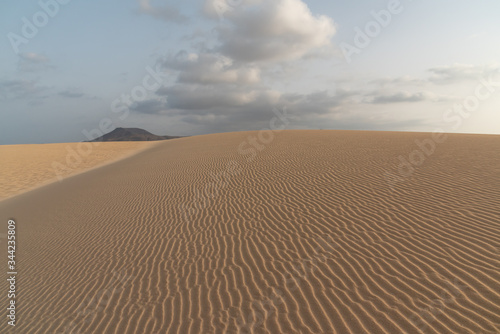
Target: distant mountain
131, 134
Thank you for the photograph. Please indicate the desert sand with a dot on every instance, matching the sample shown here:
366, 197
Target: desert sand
25, 167
302, 234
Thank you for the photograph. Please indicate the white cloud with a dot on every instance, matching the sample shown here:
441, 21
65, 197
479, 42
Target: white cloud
278, 30
219, 9
211, 68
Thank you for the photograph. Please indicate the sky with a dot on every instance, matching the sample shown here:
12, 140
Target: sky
71, 69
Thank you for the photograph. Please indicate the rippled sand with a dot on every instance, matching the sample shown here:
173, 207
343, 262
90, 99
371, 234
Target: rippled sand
209, 234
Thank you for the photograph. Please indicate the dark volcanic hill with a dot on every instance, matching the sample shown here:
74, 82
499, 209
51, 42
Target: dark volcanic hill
131, 134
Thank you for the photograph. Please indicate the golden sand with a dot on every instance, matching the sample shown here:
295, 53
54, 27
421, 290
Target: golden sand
24, 167
302, 234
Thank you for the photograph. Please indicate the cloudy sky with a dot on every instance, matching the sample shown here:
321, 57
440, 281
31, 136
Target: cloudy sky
69, 68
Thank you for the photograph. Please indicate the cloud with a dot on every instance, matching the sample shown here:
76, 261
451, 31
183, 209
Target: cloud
405, 96
235, 103
317, 103
315, 110
210, 68
443, 75
228, 80
219, 9
33, 62
68, 93
204, 98
226, 84
404, 80
398, 98
274, 31
461, 72
151, 107
34, 58
21, 89
254, 114
166, 13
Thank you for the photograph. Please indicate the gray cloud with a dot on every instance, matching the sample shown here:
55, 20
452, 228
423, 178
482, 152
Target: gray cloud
70, 94
246, 105
213, 109
33, 62
398, 98
461, 72
166, 13
405, 96
21, 89
318, 103
316, 110
196, 97
404, 80
442, 75
152, 107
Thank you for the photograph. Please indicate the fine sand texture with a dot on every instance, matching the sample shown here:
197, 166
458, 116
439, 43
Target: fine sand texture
24, 167
295, 232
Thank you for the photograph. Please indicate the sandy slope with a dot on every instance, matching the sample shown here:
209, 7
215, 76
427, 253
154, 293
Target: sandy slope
24, 167
190, 236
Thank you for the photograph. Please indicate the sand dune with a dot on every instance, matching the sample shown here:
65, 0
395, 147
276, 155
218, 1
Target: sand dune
304, 234
25, 167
